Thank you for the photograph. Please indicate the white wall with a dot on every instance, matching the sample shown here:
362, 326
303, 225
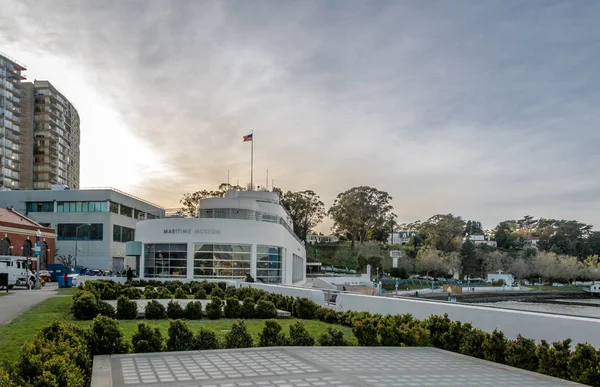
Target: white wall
316, 296
535, 325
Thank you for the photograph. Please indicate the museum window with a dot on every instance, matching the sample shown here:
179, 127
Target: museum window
40, 207
165, 260
268, 263
67, 232
222, 261
298, 268
123, 234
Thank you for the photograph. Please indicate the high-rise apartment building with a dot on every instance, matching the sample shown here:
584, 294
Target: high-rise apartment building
39, 133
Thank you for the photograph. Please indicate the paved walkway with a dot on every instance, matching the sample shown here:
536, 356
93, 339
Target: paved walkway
19, 300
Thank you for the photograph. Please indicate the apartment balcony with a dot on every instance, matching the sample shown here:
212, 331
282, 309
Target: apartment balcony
13, 167
13, 138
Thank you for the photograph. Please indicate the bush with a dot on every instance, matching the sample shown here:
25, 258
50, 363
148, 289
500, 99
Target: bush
173, 285
164, 293
181, 294
151, 294
85, 305
584, 365
365, 331
207, 286
105, 337
74, 336
304, 308
238, 336
206, 339
126, 310
185, 288
233, 308
271, 335
147, 339
266, 309
214, 308
194, 287
217, 292
181, 337
248, 308
105, 309
230, 291
472, 343
174, 310
299, 336
520, 353
132, 293
193, 310
400, 330
494, 347
553, 360
444, 333
333, 338
155, 311
200, 294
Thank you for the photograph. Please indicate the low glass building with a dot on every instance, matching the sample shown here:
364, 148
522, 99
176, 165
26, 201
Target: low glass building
246, 232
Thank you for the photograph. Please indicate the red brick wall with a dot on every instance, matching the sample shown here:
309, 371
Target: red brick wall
18, 238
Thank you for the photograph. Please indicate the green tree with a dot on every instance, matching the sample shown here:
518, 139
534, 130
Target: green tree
306, 210
190, 202
470, 265
443, 232
473, 227
504, 234
359, 210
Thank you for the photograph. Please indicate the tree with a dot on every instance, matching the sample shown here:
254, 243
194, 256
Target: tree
306, 210
360, 210
429, 260
593, 266
453, 262
493, 261
519, 269
470, 266
443, 232
191, 202
66, 260
504, 234
473, 227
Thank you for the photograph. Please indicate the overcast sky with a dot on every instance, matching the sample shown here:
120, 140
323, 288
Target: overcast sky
486, 109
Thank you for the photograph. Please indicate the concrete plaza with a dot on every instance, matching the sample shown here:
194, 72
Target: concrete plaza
310, 366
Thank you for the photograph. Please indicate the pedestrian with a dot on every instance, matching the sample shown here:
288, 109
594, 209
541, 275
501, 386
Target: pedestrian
66, 279
129, 274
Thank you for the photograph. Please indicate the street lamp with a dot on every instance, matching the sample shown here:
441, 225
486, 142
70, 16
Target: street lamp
77, 239
38, 235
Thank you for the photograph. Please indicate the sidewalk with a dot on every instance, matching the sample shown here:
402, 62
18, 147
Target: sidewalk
18, 301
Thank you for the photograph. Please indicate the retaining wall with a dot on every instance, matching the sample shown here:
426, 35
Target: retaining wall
317, 296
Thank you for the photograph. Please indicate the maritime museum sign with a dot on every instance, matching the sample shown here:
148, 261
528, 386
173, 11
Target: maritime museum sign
191, 231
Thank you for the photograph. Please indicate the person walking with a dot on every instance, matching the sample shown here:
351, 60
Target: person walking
129, 274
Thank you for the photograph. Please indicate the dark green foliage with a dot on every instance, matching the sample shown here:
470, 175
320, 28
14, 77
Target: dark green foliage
164, 293
444, 333
207, 286
521, 353
266, 309
105, 337
147, 339
173, 285
174, 310
230, 291
181, 337
400, 331
214, 308
126, 310
74, 336
181, 294
327, 315
494, 347
85, 305
299, 336
132, 293
193, 310
238, 336
271, 335
333, 338
248, 308
472, 343
222, 285
584, 365
233, 308
155, 311
304, 308
365, 331
200, 294
105, 309
217, 292
150, 294
206, 339
194, 287
186, 288
553, 360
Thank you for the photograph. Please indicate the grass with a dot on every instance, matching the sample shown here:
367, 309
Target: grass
557, 288
24, 327
66, 291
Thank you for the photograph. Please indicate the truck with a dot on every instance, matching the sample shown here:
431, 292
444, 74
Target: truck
17, 270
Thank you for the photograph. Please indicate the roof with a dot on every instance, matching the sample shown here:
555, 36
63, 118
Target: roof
8, 215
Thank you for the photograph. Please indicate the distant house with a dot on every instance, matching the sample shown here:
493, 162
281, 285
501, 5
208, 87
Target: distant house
400, 237
313, 238
508, 279
532, 242
479, 239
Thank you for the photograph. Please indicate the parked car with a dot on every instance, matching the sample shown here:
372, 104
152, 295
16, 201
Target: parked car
45, 274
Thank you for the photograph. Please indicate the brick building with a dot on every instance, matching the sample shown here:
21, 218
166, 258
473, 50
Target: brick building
18, 237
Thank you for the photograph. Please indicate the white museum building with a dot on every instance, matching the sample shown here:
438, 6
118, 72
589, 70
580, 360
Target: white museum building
245, 232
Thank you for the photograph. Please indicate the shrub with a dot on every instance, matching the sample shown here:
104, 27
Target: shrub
147, 290
266, 309
584, 365
174, 310
173, 285
329, 316
147, 339
333, 338
217, 292
494, 347
185, 288
74, 336
207, 286
105, 309
304, 308
155, 311
271, 335
151, 294
400, 330
194, 287
520, 353
206, 339
126, 310
230, 291
365, 331
472, 343
85, 305
132, 293
193, 310
214, 308
238, 336
105, 337
181, 337
164, 293
444, 333
248, 308
222, 285
299, 336
233, 308
553, 361
181, 294
200, 294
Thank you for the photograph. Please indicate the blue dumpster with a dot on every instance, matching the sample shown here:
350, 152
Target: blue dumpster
70, 282
61, 281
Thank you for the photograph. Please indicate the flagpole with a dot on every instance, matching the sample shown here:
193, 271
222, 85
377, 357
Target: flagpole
252, 163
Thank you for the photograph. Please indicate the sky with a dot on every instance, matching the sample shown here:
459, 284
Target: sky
485, 109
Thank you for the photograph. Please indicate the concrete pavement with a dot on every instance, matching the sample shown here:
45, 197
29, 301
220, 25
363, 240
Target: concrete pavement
20, 299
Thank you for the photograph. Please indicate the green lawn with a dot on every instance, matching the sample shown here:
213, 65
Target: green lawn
25, 326
66, 291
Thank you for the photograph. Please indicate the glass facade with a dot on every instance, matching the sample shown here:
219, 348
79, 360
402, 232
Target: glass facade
268, 263
221, 260
298, 269
39, 207
82, 207
123, 234
80, 232
228, 213
165, 260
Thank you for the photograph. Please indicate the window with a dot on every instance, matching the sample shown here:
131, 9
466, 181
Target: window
127, 211
123, 234
165, 260
298, 269
78, 231
40, 207
82, 207
268, 263
221, 261
114, 207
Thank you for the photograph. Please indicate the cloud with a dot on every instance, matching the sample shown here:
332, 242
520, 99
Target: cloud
484, 109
